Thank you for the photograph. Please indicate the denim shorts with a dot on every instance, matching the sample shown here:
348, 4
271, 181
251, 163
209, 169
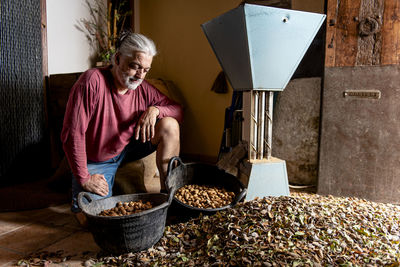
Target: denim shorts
133, 151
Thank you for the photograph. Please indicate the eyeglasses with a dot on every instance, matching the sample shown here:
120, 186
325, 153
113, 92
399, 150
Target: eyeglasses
137, 66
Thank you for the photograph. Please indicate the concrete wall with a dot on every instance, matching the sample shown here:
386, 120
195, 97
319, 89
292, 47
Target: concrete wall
296, 129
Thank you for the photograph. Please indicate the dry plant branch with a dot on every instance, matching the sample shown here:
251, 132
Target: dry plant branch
105, 23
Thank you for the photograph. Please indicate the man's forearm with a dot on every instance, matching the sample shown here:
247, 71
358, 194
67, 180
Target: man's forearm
174, 110
77, 159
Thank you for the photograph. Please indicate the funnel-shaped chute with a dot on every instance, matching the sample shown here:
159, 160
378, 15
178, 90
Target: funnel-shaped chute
260, 47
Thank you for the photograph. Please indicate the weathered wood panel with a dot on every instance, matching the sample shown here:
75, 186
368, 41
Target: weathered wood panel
362, 33
341, 39
369, 32
391, 33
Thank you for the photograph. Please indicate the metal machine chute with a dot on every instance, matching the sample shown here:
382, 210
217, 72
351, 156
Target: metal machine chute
259, 49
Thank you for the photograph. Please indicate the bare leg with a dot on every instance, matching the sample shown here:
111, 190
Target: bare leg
168, 145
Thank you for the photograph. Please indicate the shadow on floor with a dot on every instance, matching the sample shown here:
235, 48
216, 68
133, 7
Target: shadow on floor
33, 195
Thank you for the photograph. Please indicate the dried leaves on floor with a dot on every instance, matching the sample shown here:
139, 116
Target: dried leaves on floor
300, 230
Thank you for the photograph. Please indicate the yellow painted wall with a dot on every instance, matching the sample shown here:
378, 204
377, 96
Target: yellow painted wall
186, 58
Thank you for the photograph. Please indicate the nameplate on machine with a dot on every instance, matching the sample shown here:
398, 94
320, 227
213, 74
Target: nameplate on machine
370, 94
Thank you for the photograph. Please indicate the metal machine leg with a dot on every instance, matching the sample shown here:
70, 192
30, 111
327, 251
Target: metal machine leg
261, 125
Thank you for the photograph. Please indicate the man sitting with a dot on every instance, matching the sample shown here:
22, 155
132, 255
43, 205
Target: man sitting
112, 115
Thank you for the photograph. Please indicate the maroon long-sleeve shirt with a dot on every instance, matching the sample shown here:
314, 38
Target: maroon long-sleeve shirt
99, 122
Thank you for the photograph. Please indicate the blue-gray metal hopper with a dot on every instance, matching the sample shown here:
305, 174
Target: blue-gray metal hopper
260, 47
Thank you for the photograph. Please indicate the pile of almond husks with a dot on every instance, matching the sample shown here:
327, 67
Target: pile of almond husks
301, 230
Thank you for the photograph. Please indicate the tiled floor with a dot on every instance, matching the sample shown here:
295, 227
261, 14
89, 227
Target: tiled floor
46, 231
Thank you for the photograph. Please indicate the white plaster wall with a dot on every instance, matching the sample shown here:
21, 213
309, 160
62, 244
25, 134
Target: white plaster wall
68, 48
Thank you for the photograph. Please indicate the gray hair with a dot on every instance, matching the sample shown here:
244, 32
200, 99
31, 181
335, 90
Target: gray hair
136, 42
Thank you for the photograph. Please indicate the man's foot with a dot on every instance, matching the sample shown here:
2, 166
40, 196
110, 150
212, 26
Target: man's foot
81, 218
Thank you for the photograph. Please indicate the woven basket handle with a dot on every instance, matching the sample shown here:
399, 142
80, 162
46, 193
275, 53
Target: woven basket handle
171, 162
171, 189
239, 197
84, 199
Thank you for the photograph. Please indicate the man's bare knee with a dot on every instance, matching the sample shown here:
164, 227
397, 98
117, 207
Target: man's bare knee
168, 129
168, 126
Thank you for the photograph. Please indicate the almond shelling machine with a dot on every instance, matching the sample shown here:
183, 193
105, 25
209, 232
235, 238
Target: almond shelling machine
259, 49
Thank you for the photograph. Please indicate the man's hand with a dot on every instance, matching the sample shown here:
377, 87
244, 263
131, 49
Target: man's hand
145, 129
96, 184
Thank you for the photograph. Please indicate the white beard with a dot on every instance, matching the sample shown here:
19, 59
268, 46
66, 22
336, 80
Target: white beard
131, 82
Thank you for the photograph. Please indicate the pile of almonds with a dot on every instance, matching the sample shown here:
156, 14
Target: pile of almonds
127, 208
204, 196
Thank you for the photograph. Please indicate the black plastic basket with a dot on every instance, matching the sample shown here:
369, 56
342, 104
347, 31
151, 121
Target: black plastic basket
129, 233
200, 174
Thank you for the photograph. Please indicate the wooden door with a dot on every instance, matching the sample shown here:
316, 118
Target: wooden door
360, 126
